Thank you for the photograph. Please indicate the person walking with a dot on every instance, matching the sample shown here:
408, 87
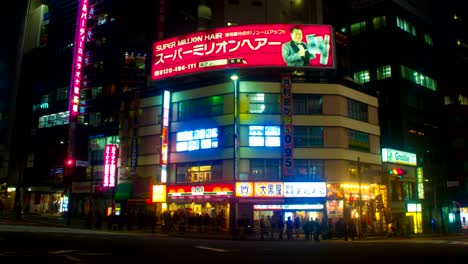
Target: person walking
289, 228
316, 229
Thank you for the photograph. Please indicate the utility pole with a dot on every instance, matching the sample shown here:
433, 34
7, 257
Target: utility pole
360, 196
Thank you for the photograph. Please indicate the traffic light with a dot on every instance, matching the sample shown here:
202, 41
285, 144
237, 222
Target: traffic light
70, 162
398, 172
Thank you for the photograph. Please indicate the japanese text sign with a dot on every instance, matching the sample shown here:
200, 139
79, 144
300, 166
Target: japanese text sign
243, 46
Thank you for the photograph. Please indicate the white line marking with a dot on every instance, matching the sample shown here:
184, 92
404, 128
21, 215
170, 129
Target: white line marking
62, 251
212, 249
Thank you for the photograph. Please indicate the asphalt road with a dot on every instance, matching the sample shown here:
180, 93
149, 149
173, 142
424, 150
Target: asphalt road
64, 245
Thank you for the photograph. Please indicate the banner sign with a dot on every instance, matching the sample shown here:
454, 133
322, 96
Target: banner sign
398, 157
198, 190
110, 165
287, 113
265, 45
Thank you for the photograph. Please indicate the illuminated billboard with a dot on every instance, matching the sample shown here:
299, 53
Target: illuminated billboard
398, 157
274, 45
110, 165
200, 190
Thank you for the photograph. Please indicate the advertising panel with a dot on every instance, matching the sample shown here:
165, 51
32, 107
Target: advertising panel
110, 165
266, 45
195, 190
398, 157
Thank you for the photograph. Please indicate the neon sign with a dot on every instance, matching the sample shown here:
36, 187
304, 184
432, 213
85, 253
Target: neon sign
78, 53
239, 47
164, 134
200, 190
110, 165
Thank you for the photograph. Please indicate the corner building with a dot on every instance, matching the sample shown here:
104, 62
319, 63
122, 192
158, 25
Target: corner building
335, 138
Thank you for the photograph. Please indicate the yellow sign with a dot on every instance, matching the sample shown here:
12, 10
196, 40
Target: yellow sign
159, 193
269, 189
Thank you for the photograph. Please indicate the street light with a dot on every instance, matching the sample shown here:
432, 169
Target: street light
235, 114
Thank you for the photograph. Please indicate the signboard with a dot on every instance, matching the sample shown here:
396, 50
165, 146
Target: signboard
78, 54
288, 206
305, 189
273, 45
287, 115
159, 193
398, 157
110, 165
199, 190
164, 135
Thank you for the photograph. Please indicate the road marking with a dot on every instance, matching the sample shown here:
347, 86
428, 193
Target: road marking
62, 251
213, 249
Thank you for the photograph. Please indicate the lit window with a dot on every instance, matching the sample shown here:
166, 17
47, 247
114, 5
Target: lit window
197, 139
264, 136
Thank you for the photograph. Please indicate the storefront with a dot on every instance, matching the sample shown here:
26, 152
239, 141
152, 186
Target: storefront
209, 204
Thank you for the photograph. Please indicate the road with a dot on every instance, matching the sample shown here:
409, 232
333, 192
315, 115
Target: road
68, 245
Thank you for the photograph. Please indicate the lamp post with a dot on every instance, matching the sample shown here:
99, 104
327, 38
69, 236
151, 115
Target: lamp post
360, 196
235, 114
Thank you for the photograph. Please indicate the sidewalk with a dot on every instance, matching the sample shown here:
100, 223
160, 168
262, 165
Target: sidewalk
59, 221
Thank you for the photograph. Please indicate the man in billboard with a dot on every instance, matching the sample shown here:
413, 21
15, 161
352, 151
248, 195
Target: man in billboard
295, 52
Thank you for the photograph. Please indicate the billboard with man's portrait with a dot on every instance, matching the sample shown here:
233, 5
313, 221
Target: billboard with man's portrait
274, 45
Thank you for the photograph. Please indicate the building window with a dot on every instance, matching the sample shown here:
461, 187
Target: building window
199, 172
428, 39
384, 72
264, 170
197, 139
307, 104
261, 103
418, 78
406, 26
358, 28
379, 22
308, 136
357, 110
362, 76
358, 140
62, 94
201, 108
308, 170
264, 136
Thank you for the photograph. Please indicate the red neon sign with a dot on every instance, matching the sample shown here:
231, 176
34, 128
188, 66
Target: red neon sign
110, 165
241, 46
78, 58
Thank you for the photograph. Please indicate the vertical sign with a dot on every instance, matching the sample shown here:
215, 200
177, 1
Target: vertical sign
420, 182
78, 57
287, 112
110, 165
164, 134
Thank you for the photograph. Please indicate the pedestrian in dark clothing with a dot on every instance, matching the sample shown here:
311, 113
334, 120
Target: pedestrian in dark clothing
280, 228
316, 229
307, 227
350, 230
289, 228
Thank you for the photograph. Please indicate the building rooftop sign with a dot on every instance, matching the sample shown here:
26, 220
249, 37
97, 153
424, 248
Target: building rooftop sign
398, 157
274, 45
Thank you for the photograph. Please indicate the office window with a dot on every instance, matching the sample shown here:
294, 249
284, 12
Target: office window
264, 170
418, 78
406, 26
428, 39
308, 136
264, 136
62, 94
362, 76
261, 103
199, 172
357, 110
197, 139
384, 72
358, 28
201, 108
308, 170
379, 22
358, 140
307, 104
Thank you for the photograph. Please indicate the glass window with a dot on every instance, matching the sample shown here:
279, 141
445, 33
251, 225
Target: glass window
201, 108
261, 103
379, 22
362, 76
199, 172
428, 39
406, 26
358, 28
308, 136
357, 110
264, 169
62, 94
384, 72
418, 78
358, 140
205, 138
307, 104
264, 136
308, 170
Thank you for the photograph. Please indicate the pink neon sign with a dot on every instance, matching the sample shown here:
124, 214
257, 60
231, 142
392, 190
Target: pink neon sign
78, 53
110, 165
243, 46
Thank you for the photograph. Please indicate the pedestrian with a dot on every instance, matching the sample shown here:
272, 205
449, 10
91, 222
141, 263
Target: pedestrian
350, 230
307, 227
316, 229
289, 228
262, 228
297, 226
